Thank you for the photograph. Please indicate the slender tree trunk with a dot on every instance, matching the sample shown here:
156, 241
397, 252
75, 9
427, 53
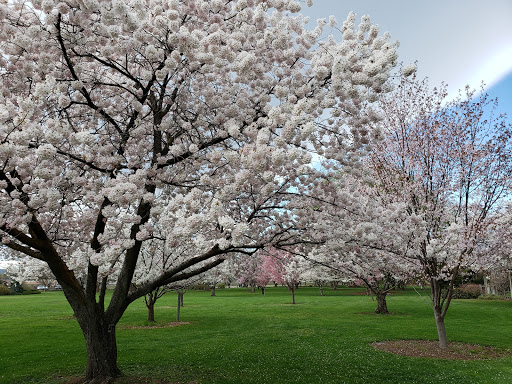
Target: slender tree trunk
321, 291
212, 290
292, 289
263, 291
180, 298
382, 307
439, 314
441, 330
180, 294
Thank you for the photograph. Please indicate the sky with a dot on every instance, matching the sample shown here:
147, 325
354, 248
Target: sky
456, 41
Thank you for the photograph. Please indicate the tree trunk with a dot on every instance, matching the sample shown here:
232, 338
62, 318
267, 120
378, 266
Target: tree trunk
441, 330
382, 307
180, 298
293, 294
321, 291
212, 290
100, 341
253, 289
440, 312
263, 291
151, 311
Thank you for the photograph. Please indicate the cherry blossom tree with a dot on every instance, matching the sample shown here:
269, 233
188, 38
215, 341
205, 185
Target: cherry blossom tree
451, 165
193, 115
319, 275
285, 268
215, 276
158, 255
251, 272
361, 235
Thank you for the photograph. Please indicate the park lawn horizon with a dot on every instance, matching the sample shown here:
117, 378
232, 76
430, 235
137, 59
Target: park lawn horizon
243, 337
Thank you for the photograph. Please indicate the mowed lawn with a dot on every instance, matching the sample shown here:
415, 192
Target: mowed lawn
243, 337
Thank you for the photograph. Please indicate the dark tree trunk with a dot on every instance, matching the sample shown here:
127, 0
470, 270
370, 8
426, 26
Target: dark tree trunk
151, 311
180, 303
382, 307
212, 290
321, 291
100, 341
150, 300
292, 289
263, 291
101, 353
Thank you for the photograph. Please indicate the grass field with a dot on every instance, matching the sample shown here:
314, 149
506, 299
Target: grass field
240, 337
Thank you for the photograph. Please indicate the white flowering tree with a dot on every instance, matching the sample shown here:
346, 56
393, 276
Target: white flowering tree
318, 274
215, 276
450, 163
362, 235
193, 115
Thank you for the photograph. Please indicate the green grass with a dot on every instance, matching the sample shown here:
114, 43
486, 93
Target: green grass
239, 337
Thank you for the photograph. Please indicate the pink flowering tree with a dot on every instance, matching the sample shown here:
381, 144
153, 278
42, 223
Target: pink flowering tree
451, 166
251, 272
285, 268
194, 116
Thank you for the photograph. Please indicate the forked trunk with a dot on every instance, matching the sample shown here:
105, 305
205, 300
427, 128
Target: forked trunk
382, 307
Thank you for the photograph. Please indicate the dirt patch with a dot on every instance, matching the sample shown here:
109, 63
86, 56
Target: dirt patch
363, 293
429, 348
121, 380
373, 313
152, 326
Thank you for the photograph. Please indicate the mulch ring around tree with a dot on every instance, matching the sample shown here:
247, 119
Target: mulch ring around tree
121, 380
363, 293
430, 349
156, 325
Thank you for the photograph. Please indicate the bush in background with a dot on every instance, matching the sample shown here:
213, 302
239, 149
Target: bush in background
4, 290
468, 291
